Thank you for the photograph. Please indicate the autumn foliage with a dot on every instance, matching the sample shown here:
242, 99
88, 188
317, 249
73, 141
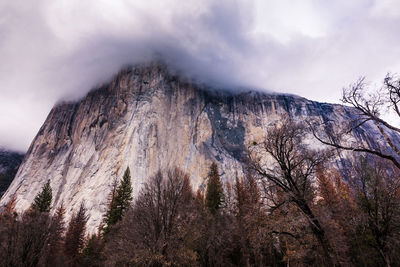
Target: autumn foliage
300, 212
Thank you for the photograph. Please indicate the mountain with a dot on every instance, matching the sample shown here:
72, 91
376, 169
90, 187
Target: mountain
149, 119
9, 163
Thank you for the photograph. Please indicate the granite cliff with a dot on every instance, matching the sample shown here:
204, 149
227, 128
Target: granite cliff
149, 119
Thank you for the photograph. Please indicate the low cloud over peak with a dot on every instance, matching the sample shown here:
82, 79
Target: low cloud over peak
57, 49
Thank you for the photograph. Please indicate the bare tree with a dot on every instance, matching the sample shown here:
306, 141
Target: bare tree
337, 211
377, 191
25, 239
369, 107
159, 229
291, 170
253, 225
33, 239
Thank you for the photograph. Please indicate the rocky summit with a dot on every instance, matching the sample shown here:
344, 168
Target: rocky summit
149, 119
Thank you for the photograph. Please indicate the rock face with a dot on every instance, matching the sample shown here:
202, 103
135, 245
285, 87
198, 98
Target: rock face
9, 164
149, 119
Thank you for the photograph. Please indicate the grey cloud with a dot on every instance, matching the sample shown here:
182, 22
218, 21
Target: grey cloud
53, 50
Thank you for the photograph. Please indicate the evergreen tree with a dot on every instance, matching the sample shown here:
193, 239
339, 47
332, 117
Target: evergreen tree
52, 253
75, 236
121, 198
92, 253
42, 201
215, 193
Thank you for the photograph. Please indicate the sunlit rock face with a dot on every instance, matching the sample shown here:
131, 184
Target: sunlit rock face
149, 119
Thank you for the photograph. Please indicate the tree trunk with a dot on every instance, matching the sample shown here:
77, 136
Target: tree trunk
318, 232
385, 258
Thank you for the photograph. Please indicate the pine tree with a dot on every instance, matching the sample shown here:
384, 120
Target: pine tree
75, 236
120, 201
52, 254
124, 194
92, 253
215, 193
42, 201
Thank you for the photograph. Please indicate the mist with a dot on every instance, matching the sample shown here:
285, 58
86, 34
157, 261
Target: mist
59, 50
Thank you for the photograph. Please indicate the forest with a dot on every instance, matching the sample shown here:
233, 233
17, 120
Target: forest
295, 212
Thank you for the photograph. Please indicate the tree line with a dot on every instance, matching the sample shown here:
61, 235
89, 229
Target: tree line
292, 210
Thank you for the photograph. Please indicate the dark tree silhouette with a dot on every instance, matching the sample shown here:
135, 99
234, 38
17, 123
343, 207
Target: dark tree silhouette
369, 108
215, 193
378, 198
75, 236
120, 201
92, 253
52, 253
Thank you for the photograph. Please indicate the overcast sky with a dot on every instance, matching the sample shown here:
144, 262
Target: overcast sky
60, 49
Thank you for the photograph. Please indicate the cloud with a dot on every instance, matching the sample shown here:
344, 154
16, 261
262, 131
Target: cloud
59, 49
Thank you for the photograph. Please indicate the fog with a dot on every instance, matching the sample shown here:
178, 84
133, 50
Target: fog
54, 50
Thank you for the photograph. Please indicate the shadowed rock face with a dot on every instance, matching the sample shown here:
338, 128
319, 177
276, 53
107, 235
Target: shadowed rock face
9, 163
148, 119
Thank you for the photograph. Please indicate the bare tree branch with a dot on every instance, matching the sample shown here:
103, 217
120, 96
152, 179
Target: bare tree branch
292, 171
